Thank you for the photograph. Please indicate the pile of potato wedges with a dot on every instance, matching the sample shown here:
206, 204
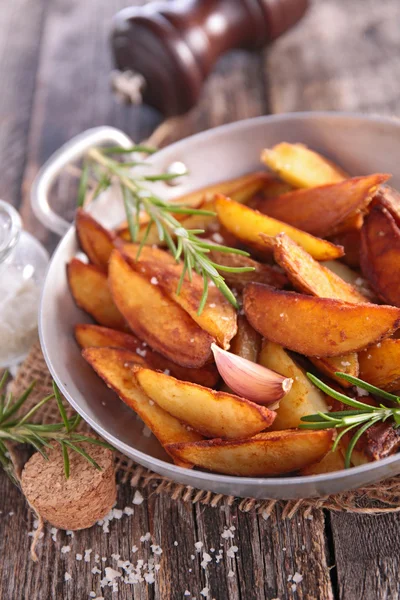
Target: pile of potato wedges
324, 297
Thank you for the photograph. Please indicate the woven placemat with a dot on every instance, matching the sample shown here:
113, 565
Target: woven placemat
378, 498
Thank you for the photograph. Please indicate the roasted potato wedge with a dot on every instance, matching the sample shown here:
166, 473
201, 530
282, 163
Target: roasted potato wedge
266, 454
262, 273
317, 326
147, 253
247, 341
309, 276
247, 224
321, 210
380, 254
207, 411
93, 336
380, 365
96, 241
218, 317
114, 366
301, 167
333, 461
240, 189
303, 399
89, 288
154, 317
351, 242
352, 277
329, 365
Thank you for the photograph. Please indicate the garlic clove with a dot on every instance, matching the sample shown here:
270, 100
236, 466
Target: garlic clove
250, 380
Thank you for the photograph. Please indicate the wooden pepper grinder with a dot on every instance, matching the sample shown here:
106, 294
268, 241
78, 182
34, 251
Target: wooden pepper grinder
171, 47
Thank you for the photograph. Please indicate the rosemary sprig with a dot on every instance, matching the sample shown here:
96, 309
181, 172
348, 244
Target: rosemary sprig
21, 430
184, 244
361, 418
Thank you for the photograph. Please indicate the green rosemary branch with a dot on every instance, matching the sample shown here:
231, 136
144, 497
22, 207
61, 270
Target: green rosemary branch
22, 431
184, 244
361, 418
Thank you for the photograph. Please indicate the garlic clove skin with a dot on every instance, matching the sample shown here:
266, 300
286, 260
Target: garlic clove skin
250, 380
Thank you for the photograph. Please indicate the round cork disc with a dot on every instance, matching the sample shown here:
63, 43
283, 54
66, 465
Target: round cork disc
74, 503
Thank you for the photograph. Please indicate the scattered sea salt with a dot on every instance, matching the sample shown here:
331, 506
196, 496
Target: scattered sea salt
232, 551
297, 578
53, 532
175, 543
204, 592
198, 546
154, 281
87, 555
138, 499
65, 549
67, 576
141, 352
146, 537
78, 557
231, 573
128, 510
361, 392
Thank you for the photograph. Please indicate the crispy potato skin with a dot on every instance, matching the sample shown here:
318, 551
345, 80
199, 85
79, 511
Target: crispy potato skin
333, 327
89, 288
266, 454
154, 317
380, 365
218, 317
93, 336
247, 225
380, 254
322, 210
247, 341
96, 241
113, 365
301, 167
332, 462
309, 276
209, 412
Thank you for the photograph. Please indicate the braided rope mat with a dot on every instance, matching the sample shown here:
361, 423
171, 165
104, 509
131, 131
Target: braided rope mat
378, 498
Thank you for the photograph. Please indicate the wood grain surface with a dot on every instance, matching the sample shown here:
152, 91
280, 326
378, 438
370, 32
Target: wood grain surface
54, 68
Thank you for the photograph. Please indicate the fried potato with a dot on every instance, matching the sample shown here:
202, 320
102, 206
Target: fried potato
113, 365
247, 224
89, 288
351, 242
218, 317
353, 223
303, 399
240, 189
94, 239
262, 273
300, 166
317, 326
155, 318
380, 365
329, 365
247, 341
352, 277
333, 461
380, 254
93, 336
207, 411
147, 253
266, 454
309, 276
321, 210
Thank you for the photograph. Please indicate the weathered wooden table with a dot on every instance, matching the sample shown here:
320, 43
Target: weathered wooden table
54, 74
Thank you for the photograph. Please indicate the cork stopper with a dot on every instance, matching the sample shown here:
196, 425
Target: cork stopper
74, 503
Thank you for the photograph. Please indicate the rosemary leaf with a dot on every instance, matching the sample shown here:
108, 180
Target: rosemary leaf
61, 407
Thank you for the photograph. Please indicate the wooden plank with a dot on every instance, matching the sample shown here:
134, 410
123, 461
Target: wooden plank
21, 23
367, 552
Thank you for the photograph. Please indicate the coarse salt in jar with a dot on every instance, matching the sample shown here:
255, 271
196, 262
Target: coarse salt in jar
23, 263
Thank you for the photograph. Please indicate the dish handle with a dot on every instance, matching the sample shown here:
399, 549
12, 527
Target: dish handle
71, 151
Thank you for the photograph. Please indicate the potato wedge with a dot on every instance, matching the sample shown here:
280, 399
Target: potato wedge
89, 287
94, 239
300, 166
247, 341
246, 224
352, 277
317, 326
218, 317
147, 253
207, 411
266, 454
346, 363
113, 365
262, 273
351, 242
380, 254
93, 336
333, 461
240, 189
155, 318
320, 210
309, 276
353, 223
380, 365
303, 399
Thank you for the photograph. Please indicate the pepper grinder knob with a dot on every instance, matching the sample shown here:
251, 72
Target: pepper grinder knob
174, 45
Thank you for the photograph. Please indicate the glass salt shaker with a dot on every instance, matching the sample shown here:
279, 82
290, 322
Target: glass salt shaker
23, 263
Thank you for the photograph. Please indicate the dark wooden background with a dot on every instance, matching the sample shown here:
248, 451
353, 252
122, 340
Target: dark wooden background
54, 74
